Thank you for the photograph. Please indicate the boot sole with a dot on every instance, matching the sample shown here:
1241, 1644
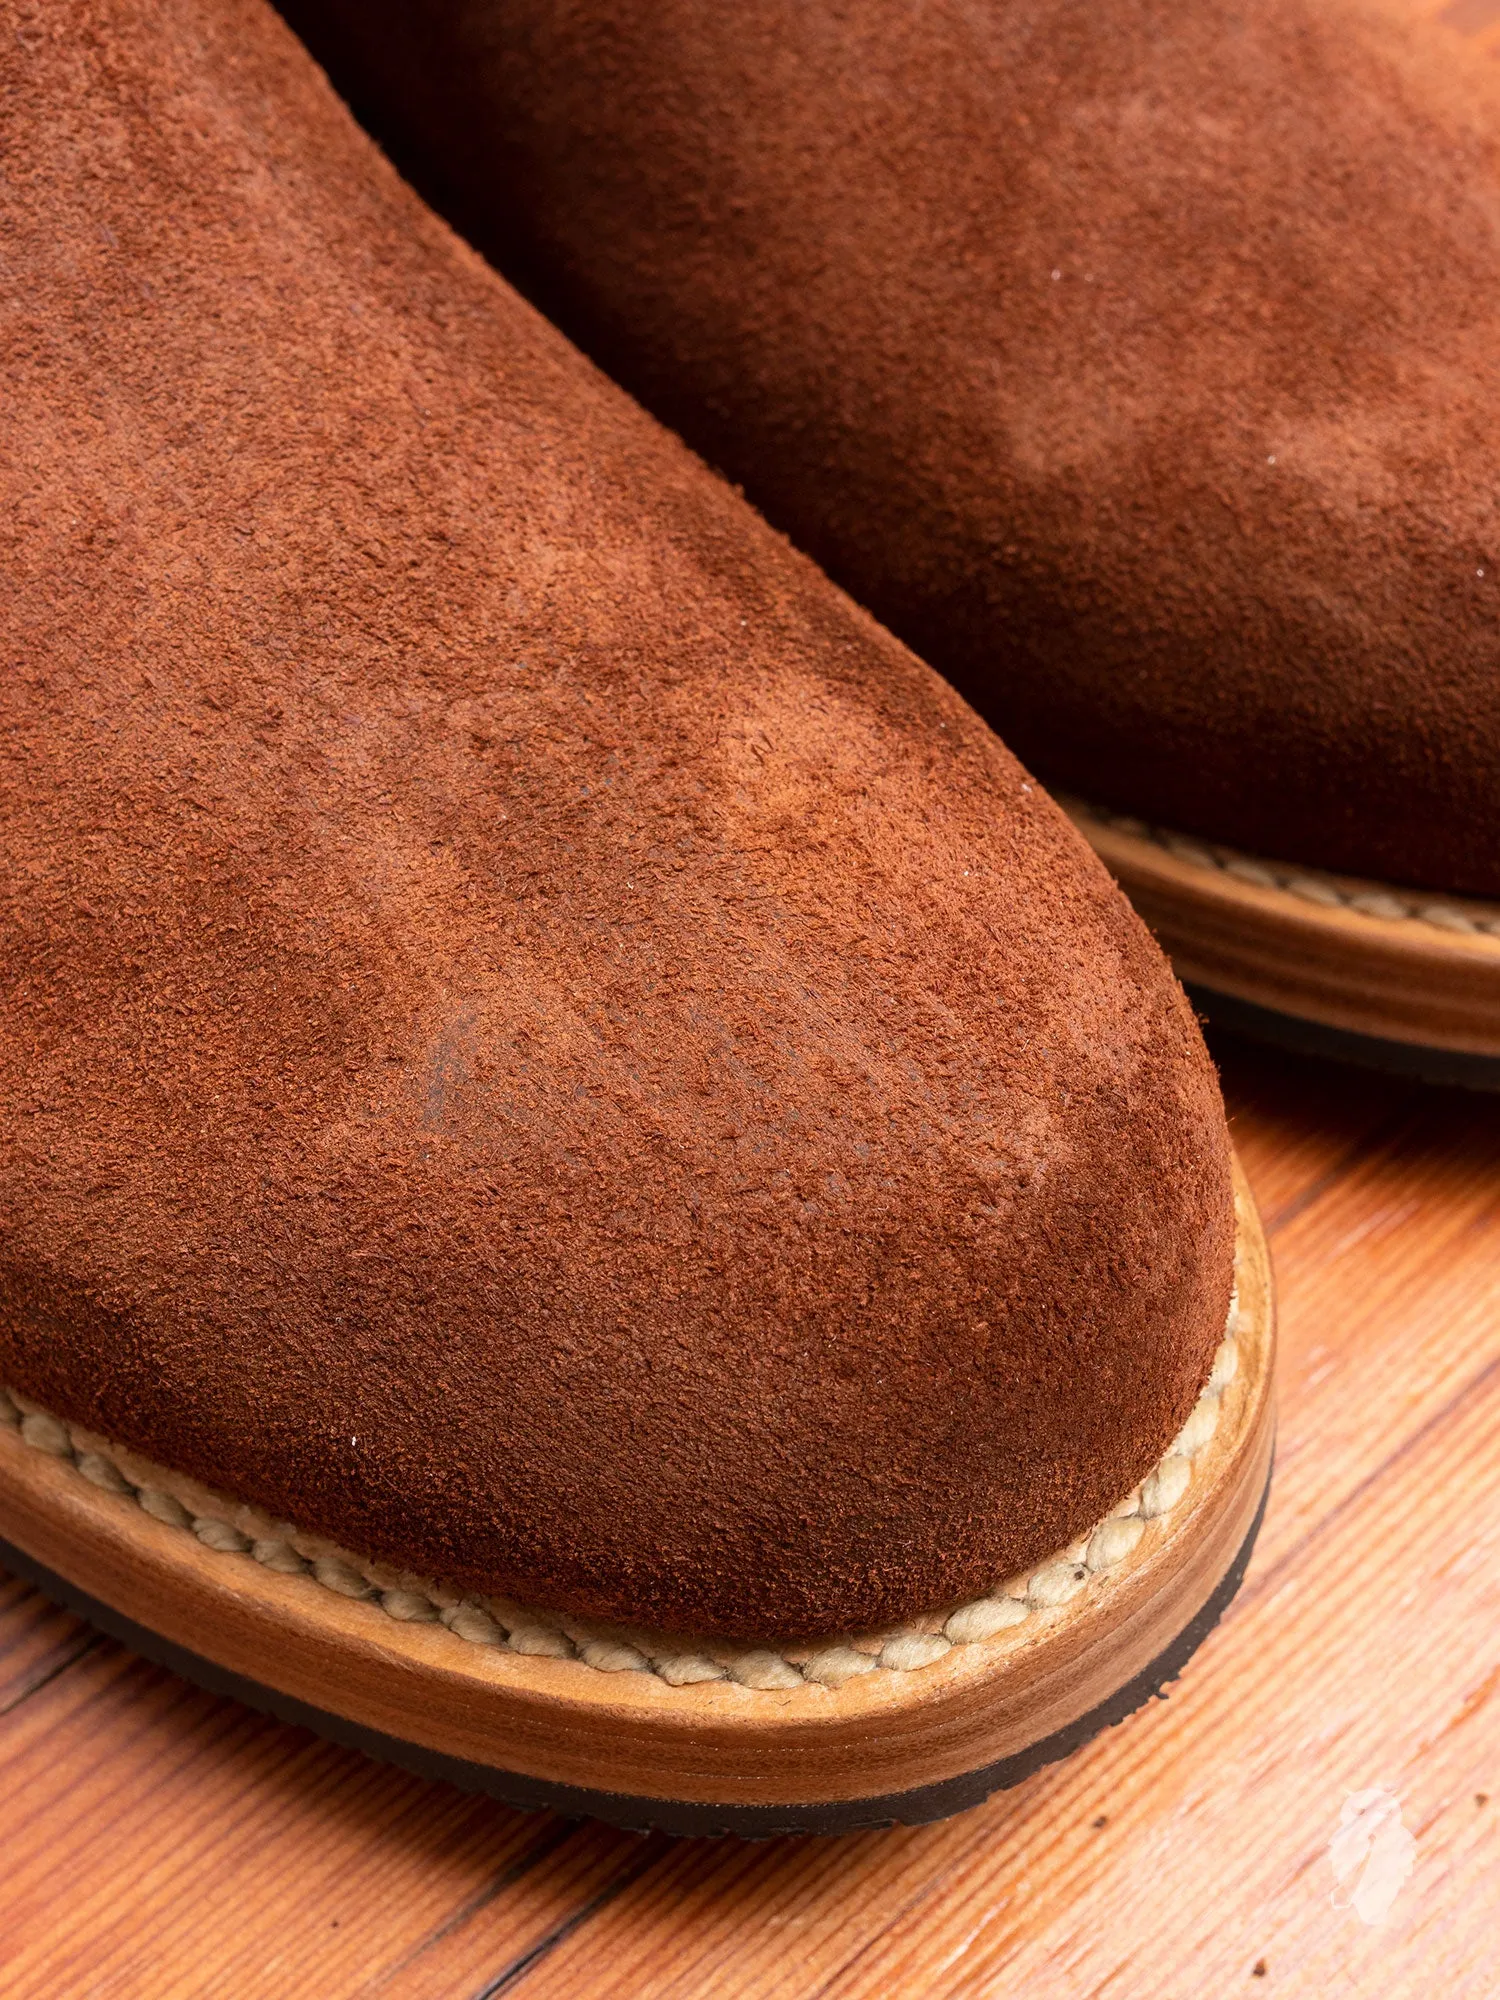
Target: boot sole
624, 1746
1403, 980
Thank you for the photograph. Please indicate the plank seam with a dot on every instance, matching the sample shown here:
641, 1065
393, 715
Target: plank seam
518, 1969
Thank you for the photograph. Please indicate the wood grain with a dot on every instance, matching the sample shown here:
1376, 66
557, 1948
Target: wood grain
158, 1844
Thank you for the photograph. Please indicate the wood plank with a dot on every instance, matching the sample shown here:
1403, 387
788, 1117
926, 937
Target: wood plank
153, 1832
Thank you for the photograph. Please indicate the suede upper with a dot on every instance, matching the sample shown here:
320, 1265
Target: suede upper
535, 1040
1137, 362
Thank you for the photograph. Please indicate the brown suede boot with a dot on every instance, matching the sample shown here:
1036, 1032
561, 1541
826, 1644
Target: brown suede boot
1136, 363
551, 1071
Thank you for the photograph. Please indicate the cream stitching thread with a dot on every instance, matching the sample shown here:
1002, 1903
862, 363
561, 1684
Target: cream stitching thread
1370, 899
489, 1622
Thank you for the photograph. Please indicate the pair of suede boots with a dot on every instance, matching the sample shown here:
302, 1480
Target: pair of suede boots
601, 1193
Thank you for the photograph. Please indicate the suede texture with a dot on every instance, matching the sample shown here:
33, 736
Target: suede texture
536, 1040
1135, 362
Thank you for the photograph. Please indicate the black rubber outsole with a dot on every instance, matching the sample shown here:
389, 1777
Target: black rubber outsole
641, 1815
1454, 1067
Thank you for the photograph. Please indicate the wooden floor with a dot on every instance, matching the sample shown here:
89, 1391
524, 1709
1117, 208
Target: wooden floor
156, 1844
